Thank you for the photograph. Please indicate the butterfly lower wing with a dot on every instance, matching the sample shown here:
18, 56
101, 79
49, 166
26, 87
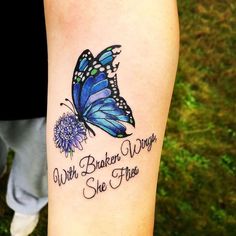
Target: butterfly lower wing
105, 114
102, 106
120, 101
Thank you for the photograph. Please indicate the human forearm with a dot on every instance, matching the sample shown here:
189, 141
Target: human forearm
106, 200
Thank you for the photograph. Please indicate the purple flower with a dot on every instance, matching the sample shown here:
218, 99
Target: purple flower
69, 133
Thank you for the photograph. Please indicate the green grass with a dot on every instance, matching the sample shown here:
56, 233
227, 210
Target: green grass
196, 189
197, 181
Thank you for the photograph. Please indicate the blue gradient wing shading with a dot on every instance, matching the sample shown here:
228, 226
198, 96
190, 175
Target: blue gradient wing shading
106, 115
107, 56
96, 94
102, 106
84, 61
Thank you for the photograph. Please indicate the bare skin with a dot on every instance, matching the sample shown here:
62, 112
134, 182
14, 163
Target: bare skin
148, 33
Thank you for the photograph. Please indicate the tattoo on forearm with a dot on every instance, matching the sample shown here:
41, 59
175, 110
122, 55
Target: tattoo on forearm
96, 101
89, 164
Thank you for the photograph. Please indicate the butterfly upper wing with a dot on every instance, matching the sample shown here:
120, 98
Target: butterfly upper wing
84, 61
99, 100
86, 65
107, 56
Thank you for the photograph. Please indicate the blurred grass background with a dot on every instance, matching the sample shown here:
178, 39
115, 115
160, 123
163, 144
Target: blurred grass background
197, 182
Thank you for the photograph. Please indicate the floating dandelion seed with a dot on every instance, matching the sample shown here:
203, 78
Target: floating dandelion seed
69, 133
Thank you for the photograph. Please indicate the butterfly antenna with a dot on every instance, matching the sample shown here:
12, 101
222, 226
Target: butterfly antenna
63, 104
67, 100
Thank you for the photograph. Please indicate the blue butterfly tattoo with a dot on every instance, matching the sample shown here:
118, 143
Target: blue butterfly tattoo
96, 101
